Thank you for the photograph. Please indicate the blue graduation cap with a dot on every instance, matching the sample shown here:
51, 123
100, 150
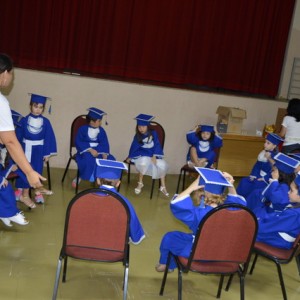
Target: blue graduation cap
297, 182
109, 169
95, 113
213, 180
274, 138
143, 119
16, 117
295, 155
38, 99
207, 128
286, 163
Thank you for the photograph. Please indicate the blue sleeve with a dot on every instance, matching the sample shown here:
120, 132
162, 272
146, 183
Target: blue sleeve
157, 151
49, 140
82, 141
134, 150
103, 146
192, 138
277, 193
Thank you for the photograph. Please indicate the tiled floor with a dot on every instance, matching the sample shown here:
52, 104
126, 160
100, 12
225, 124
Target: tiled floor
28, 257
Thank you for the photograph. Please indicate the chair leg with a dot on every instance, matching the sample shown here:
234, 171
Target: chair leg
229, 282
65, 269
163, 283
298, 263
183, 180
66, 170
242, 287
48, 175
56, 283
253, 264
125, 287
220, 286
178, 183
128, 176
152, 188
281, 281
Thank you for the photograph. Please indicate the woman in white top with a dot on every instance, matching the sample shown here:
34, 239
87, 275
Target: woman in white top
7, 129
290, 127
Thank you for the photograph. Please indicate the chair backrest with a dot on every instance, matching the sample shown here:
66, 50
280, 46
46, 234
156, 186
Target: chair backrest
97, 226
226, 234
76, 124
160, 132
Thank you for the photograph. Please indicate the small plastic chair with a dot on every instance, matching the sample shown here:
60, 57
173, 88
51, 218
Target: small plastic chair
222, 246
96, 229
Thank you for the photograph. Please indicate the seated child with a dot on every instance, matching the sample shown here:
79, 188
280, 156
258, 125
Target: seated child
91, 143
275, 196
8, 206
147, 154
280, 229
207, 196
203, 141
261, 171
108, 174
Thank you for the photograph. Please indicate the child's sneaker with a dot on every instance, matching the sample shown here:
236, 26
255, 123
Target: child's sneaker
19, 218
39, 199
6, 222
18, 194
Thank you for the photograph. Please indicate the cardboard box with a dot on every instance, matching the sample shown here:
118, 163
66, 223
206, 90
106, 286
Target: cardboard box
230, 119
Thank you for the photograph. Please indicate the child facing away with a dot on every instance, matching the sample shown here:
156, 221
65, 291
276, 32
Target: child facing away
203, 141
38, 140
280, 229
275, 196
261, 171
147, 154
290, 127
108, 174
91, 143
191, 206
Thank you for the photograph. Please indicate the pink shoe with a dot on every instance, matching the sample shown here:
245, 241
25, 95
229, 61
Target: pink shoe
39, 199
18, 194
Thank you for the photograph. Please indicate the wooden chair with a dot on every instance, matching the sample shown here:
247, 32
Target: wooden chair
161, 136
279, 256
96, 229
222, 246
77, 122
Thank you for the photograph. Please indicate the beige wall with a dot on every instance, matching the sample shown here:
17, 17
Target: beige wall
177, 110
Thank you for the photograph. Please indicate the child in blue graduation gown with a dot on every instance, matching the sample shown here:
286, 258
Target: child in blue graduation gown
108, 175
183, 208
91, 143
39, 143
280, 229
203, 141
275, 196
8, 207
261, 171
147, 154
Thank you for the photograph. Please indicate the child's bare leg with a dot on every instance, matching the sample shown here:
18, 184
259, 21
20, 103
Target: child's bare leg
163, 188
140, 184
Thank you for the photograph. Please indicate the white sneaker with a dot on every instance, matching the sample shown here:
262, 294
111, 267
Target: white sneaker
6, 222
19, 218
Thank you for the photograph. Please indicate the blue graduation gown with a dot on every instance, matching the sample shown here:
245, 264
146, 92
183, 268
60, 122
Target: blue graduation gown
205, 149
136, 232
180, 243
89, 137
8, 205
261, 170
38, 140
279, 229
149, 147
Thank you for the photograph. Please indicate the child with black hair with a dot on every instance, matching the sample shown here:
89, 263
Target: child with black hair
290, 127
203, 141
91, 143
275, 196
147, 154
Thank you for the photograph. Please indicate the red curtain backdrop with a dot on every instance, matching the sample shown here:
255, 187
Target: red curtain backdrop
221, 44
